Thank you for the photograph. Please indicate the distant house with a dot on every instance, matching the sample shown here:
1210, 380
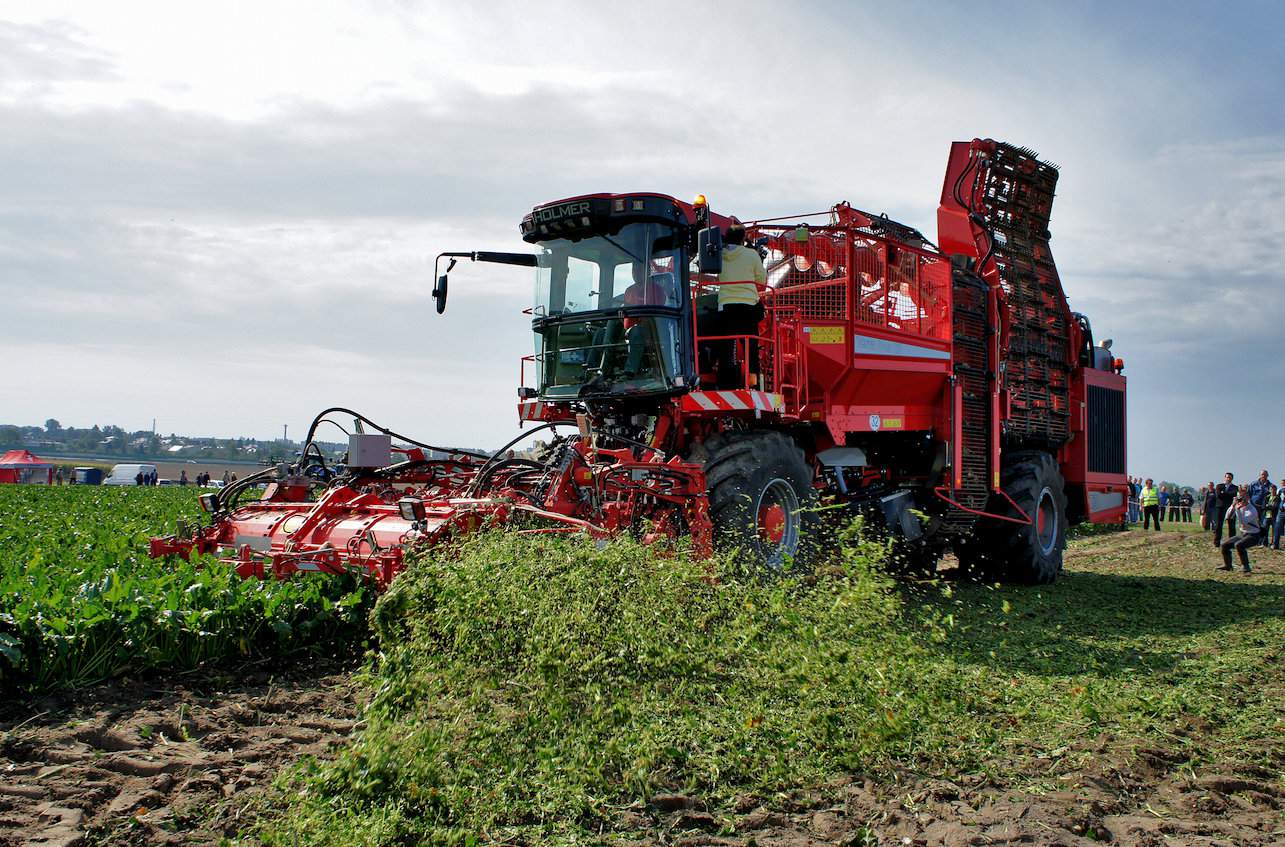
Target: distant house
23, 466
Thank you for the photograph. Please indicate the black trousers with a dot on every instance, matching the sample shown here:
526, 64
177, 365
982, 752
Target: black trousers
1186, 514
737, 319
1218, 525
1241, 543
1150, 514
1266, 518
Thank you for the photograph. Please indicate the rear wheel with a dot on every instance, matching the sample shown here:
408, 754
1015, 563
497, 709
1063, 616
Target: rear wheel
761, 497
1017, 552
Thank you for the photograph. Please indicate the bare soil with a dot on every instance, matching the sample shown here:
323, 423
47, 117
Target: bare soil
1144, 797
173, 760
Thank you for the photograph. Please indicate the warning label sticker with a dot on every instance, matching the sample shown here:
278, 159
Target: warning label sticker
825, 334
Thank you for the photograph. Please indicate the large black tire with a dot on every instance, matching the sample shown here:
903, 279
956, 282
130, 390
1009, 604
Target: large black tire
762, 501
1031, 553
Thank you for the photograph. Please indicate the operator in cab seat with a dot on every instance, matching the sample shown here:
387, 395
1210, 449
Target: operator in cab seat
645, 291
739, 309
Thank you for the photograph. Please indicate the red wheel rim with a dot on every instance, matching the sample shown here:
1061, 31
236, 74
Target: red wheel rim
772, 523
1046, 522
777, 522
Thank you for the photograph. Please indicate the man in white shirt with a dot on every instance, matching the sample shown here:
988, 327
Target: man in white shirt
1246, 516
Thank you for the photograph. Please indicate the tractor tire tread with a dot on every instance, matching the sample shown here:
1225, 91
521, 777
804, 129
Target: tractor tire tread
732, 461
1007, 552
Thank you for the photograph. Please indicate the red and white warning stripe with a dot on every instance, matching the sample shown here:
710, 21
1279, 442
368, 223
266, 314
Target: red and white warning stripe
735, 400
532, 410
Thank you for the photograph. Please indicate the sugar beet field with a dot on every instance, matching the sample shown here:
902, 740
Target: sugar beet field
538, 690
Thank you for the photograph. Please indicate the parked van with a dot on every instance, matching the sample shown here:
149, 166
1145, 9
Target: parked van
128, 474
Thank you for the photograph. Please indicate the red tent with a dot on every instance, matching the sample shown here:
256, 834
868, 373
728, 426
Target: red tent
24, 466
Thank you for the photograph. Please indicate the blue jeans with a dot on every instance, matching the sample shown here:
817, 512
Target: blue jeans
1278, 527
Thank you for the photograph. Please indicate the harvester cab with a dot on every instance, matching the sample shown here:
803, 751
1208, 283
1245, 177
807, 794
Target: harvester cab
612, 312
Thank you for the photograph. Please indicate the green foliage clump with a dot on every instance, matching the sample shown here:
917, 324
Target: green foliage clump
528, 688
80, 600
532, 678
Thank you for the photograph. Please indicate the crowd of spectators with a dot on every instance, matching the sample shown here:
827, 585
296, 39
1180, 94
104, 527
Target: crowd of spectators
1250, 515
1150, 504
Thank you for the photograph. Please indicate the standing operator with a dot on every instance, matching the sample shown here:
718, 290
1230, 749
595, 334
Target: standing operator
739, 309
1226, 492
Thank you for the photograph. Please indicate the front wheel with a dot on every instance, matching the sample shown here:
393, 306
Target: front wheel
761, 497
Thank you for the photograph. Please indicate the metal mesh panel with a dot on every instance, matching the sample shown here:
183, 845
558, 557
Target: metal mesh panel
1106, 430
807, 269
934, 280
972, 369
808, 274
913, 296
1018, 194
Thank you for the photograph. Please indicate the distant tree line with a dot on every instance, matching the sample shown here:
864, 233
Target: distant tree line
114, 441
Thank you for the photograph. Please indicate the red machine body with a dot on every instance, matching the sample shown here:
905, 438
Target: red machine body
947, 392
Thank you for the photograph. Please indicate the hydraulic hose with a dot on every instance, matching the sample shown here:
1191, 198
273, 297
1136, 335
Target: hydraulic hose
498, 456
959, 180
316, 422
622, 439
227, 498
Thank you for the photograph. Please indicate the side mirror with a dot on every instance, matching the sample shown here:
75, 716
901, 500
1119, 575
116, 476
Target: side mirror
439, 294
709, 250
529, 260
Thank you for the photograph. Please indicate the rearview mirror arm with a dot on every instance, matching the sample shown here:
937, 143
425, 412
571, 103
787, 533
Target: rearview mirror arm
440, 288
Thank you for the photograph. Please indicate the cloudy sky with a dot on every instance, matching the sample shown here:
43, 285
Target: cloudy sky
224, 215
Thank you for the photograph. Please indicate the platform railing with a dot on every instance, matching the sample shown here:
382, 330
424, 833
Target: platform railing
781, 366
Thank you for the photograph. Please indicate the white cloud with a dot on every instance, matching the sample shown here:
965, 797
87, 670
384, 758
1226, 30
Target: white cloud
274, 179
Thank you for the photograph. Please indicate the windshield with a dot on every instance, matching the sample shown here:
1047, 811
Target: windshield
607, 355
636, 266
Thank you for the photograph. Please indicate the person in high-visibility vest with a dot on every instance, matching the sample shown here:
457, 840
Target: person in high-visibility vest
1150, 505
739, 309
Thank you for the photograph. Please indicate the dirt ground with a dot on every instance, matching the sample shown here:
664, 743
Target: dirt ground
178, 761
161, 761
1139, 798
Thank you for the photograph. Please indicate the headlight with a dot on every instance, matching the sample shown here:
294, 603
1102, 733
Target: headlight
412, 509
